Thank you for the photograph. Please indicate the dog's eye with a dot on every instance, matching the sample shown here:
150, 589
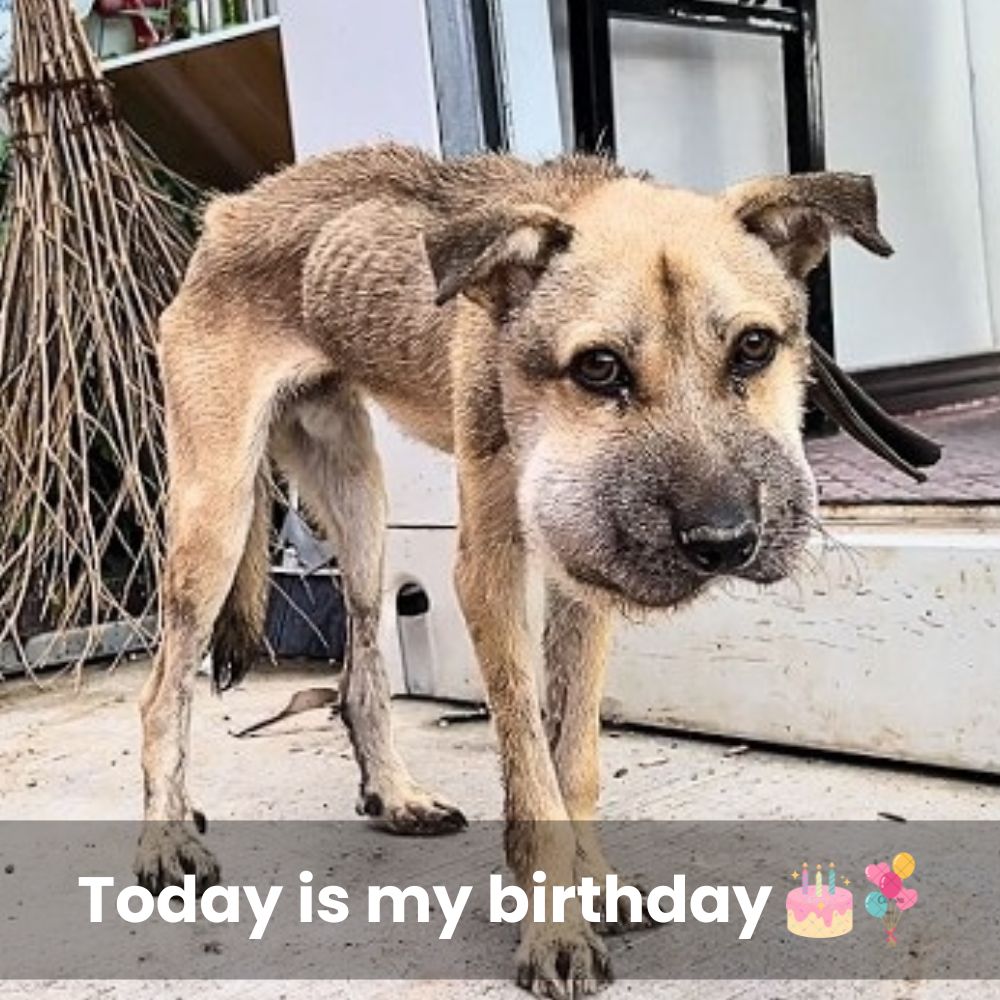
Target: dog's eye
755, 349
601, 371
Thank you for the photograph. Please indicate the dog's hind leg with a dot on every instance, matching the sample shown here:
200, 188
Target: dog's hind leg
218, 408
327, 448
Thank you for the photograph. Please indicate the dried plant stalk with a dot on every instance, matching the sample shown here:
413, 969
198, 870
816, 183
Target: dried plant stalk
93, 249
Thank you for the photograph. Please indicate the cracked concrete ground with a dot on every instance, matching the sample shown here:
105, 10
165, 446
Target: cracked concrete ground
73, 754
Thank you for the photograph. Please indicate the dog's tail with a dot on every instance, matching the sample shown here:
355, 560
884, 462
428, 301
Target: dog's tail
239, 629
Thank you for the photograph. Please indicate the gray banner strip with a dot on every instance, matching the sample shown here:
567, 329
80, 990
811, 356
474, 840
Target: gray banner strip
940, 921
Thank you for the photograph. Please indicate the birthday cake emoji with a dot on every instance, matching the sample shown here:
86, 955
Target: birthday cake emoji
820, 909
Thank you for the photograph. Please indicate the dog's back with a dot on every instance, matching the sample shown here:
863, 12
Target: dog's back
258, 241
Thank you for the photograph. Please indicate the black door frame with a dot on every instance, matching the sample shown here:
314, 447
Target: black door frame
794, 22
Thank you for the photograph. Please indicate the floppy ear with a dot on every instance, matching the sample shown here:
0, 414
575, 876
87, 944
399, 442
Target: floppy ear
495, 256
797, 214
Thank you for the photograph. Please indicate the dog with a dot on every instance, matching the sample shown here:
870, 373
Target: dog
619, 369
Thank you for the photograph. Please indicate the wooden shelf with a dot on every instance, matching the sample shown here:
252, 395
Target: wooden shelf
219, 37
214, 107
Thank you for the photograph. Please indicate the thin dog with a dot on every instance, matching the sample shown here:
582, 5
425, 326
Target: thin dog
618, 367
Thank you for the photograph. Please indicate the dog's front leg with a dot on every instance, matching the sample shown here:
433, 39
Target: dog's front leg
554, 959
576, 641
577, 633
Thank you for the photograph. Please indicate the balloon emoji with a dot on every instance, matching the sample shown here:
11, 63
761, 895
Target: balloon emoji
876, 905
875, 872
890, 884
903, 865
906, 898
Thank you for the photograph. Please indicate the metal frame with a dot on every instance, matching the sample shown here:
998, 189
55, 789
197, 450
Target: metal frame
463, 47
490, 86
794, 23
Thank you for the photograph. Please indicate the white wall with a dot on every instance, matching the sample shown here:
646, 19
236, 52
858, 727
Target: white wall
705, 109
700, 108
983, 29
358, 73
899, 103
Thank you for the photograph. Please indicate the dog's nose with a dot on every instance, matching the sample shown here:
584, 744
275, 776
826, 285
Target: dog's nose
719, 547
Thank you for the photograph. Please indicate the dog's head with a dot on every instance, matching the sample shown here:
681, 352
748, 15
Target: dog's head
652, 363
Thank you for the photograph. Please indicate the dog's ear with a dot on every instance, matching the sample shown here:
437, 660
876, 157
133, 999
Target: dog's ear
495, 256
797, 214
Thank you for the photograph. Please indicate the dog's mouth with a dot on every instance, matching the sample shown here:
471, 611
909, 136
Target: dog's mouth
631, 592
651, 539
636, 572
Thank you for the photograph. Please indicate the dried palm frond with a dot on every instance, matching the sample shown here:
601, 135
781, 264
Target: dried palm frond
94, 246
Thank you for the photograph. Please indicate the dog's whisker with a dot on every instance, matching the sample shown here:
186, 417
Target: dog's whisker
836, 545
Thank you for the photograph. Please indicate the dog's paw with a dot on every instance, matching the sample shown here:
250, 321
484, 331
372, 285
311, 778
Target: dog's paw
412, 812
622, 923
592, 862
562, 960
169, 851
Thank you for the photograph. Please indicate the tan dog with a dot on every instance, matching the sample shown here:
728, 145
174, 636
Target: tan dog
619, 369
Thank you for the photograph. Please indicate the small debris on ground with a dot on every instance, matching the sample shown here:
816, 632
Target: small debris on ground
301, 701
736, 750
621, 772
480, 713
894, 817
